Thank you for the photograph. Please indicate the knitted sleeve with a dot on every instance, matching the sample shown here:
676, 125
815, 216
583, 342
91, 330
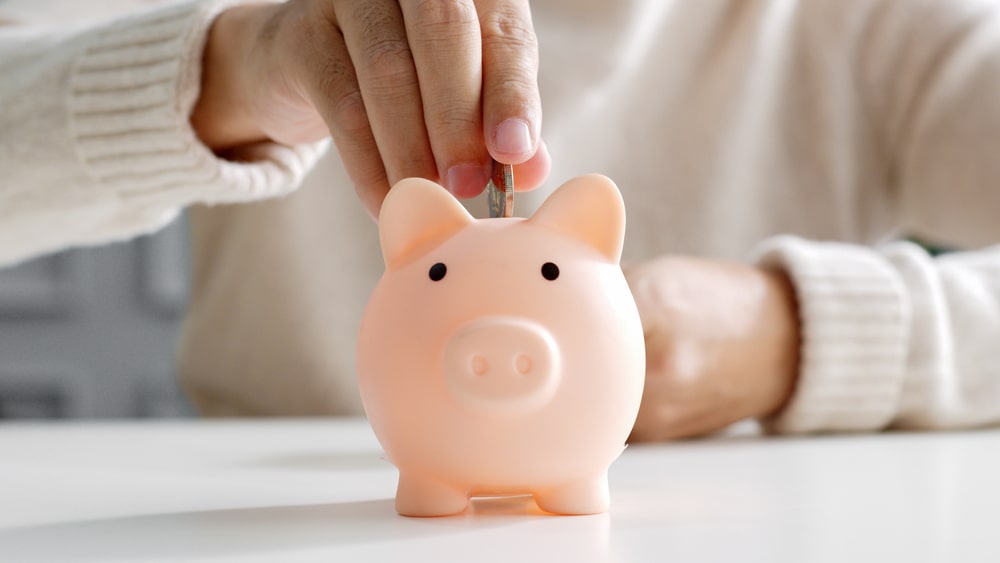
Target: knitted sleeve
95, 139
892, 337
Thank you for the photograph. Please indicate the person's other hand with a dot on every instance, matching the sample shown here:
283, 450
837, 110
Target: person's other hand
721, 344
428, 88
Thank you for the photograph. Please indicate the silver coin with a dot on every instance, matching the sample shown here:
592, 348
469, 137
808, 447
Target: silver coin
500, 190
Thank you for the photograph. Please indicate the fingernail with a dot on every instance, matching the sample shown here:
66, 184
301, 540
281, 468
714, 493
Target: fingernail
513, 137
466, 180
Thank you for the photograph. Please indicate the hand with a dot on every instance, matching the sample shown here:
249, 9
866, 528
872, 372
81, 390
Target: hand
427, 88
721, 344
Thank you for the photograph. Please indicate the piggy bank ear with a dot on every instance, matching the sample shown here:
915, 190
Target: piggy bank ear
590, 209
417, 214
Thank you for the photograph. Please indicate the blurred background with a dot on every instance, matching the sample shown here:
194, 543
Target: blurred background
61, 315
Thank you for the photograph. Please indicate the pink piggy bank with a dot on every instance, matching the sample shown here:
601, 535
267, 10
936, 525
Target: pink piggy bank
502, 356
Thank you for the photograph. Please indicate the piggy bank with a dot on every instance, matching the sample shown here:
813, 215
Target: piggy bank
502, 356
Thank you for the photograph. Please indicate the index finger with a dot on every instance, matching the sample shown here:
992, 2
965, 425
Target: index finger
445, 39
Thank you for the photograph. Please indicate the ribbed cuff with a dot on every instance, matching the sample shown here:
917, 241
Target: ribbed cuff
853, 310
131, 97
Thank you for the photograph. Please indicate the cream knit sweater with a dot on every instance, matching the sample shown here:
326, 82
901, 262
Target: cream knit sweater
806, 134
95, 141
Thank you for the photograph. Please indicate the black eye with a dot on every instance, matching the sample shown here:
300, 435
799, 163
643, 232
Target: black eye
438, 271
550, 271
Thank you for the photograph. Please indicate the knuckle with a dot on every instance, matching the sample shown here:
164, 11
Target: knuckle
302, 25
445, 16
509, 28
385, 54
512, 85
388, 56
390, 66
443, 115
332, 73
374, 18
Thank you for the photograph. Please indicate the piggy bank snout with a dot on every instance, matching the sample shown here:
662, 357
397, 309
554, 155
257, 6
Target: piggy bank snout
502, 364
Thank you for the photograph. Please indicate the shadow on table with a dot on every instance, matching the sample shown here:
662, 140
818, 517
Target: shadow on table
324, 462
245, 531
241, 531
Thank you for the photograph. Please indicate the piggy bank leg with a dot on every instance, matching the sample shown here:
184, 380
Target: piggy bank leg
419, 496
583, 496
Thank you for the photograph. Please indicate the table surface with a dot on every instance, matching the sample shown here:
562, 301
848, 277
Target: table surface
319, 490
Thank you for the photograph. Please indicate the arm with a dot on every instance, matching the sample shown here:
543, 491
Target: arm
885, 335
893, 336
96, 142
821, 337
111, 129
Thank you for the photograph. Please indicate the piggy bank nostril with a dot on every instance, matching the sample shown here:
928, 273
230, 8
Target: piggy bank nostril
523, 364
479, 365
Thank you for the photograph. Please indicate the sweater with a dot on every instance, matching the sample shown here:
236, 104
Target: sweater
812, 136
96, 136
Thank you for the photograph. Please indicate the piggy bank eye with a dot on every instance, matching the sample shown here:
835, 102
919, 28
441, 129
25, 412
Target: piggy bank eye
438, 271
550, 271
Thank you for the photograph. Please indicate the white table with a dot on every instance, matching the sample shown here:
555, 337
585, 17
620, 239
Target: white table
290, 490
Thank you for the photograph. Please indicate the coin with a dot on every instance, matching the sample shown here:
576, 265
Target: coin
500, 190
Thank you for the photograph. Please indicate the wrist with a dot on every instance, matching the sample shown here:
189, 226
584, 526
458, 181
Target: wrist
781, 324
223, 116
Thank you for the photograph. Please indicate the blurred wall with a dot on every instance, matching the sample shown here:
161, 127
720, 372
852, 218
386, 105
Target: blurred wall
90, 333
